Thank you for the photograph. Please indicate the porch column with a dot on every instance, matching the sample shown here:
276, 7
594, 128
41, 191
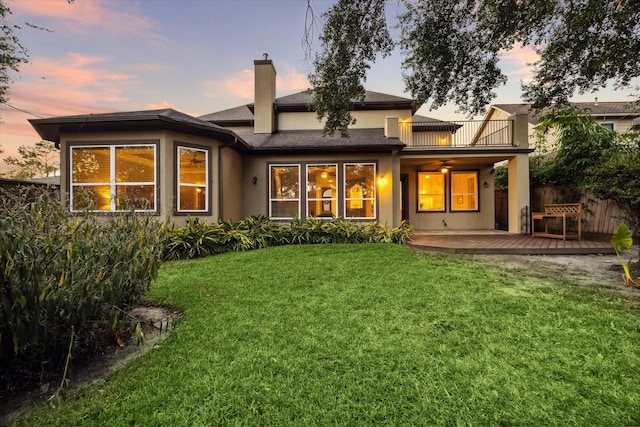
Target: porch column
396, 188
518, 169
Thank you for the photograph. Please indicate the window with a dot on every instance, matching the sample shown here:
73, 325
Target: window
464, 191
326, 193
113, 178
359, 190
321, 190
431, 191
193, 182
284, 191
609, 125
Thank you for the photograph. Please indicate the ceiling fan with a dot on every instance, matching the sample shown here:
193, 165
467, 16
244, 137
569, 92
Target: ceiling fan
445, 167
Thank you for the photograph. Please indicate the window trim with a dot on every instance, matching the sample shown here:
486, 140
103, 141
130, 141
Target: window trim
308, 199
606, 124
176, 178
375, 191
300, 198
477, 191
113, 184
444, 192
340, 187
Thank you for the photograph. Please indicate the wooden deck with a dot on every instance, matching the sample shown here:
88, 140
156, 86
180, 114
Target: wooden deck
501, 242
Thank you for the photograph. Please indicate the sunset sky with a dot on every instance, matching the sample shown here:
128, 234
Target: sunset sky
195, 56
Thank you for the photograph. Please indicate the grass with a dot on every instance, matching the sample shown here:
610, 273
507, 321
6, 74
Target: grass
371, 335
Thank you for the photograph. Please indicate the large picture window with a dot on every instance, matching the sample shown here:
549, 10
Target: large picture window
360, 190
431, 191
113, 178
322, 190
284, 191
193, 182
464, 191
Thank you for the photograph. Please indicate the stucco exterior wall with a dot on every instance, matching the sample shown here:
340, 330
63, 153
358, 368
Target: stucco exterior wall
232, 182
483, 219
256, 196
166, 179
364, 119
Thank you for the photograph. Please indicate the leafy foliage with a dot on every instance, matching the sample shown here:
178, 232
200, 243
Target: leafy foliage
37, 160
354, 34
65, 279
12, 53
622, 241
582, 143
617, 177
197, 238
539, 166
452, 49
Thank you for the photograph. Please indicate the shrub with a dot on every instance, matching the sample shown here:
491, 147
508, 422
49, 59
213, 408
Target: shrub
197, 238
64, 276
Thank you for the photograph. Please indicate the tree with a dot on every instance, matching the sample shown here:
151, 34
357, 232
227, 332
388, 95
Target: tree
582, 143
452, 50
12, 53
617, 178
38, 160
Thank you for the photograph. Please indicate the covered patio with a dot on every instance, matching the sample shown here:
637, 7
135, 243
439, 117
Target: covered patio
502, 242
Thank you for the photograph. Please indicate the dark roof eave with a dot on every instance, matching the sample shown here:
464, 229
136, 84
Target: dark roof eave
470, 150
329, 149
51, 129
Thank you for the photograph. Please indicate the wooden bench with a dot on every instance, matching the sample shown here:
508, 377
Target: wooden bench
558, 211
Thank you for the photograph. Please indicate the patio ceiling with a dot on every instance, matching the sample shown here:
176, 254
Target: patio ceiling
460, 163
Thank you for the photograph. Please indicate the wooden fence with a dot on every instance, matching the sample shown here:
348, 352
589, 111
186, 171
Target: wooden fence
601, 217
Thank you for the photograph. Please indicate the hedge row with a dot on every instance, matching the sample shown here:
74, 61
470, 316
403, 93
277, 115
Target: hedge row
198, 239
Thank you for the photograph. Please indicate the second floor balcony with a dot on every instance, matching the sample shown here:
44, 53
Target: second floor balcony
462, 134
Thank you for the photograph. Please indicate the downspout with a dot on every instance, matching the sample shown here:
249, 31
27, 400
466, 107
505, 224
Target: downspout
220, 187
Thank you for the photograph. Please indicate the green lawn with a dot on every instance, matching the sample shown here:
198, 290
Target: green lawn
371, 335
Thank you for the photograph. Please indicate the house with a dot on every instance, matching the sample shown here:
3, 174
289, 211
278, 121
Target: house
270, 157
617, 116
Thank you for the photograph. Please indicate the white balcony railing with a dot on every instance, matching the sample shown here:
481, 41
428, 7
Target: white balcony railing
444, 134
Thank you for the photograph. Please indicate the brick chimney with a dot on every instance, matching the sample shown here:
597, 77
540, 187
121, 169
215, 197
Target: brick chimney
265, 96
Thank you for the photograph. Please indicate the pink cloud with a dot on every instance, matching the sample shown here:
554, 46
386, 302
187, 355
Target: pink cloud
519, 59
291, 81
73, 84
240, 84
76, 81
75, 70
82, 16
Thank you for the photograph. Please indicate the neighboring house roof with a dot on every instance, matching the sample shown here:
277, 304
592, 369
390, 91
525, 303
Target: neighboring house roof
309, 140
300, 102
428, 124
165, 119
617, 109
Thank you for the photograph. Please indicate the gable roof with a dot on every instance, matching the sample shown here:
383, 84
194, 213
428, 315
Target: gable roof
300, 102
428, 124
166, 119
612, 109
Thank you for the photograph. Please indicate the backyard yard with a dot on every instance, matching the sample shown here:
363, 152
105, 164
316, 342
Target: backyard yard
372, 334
